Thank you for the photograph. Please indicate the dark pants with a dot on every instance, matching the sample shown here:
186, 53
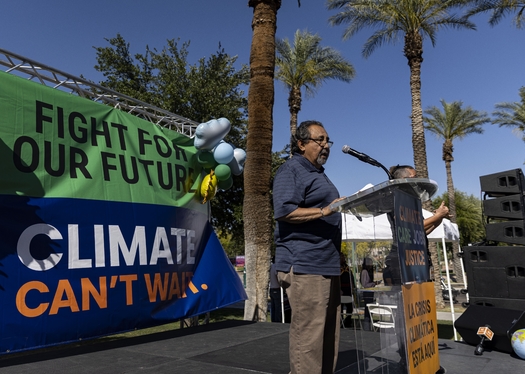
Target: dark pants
275, 305
368, 298
393, 261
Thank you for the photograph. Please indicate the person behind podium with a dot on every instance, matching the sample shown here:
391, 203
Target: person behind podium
308, 242
367, 281
347, 287
429, 224
387, 275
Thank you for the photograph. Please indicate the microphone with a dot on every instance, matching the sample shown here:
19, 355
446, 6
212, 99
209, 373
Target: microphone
485, 333
365, 158
359, 155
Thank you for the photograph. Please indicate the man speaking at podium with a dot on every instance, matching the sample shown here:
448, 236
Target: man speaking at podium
308, 242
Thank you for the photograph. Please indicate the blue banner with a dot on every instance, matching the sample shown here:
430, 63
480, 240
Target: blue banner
102, 226
411, 238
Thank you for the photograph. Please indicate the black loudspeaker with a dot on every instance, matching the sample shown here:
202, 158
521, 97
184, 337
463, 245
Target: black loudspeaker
495, 272
510, 207
511, 232
504, 206
504, 183
502, 322
517, 304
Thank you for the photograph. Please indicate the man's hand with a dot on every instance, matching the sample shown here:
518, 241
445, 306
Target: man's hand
328, 209
301, 215
442, 211
431, 223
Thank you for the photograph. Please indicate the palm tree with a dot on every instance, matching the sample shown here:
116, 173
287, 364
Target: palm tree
512, 114
499, 9
307, 64
415, 20
454, 122
257, 172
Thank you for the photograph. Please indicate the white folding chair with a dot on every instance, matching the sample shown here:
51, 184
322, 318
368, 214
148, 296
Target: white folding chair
384, 316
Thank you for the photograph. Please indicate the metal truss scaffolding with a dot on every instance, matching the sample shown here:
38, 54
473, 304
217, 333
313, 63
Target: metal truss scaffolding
48, 76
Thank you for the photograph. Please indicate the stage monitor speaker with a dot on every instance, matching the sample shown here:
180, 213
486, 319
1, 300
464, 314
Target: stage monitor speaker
509, 207
505, 183
512, 232
516, 304
503, 322
495, 272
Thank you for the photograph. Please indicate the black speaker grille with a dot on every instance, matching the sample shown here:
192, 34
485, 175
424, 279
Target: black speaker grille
503, 183
495, 272
509, 207
512, 232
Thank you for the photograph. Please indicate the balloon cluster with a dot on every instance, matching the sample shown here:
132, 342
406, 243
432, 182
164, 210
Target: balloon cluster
220, 157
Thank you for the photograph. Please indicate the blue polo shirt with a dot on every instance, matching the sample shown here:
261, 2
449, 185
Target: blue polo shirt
311, 247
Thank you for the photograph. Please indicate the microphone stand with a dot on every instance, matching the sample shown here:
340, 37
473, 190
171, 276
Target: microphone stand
485, 333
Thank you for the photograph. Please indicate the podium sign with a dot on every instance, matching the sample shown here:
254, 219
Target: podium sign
421, 328
410, 236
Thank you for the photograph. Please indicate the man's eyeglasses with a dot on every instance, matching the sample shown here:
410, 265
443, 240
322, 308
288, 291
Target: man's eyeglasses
322, 143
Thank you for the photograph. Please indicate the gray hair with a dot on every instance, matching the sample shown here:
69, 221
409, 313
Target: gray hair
401, 171
302, 133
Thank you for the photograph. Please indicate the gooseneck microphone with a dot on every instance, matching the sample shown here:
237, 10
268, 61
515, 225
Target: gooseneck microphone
358, 155
365, 158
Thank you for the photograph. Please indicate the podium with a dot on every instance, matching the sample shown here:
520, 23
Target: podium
413, 348
379, 199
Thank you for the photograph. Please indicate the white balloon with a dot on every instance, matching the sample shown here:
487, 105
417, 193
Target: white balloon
237, 163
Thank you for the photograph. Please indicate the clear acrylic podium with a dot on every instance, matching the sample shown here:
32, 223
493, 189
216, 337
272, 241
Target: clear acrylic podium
379, 199
389, 326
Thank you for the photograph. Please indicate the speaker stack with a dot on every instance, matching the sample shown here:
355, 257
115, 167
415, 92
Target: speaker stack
496, 269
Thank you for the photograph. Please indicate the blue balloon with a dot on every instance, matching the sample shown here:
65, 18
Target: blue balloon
223, 153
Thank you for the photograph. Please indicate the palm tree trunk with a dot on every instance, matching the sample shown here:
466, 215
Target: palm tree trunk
294, 103
414, 54
257, 171
456, 260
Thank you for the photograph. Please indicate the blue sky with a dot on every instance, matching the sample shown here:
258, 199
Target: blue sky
370, 114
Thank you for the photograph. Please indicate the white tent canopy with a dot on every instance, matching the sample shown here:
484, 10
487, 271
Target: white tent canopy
378, 229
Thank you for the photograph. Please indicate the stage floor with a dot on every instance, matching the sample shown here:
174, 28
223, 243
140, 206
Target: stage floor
235, 347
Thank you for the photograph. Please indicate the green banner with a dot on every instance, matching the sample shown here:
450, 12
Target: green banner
61, 145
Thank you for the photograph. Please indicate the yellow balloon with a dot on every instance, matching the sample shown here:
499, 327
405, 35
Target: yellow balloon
208, 187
